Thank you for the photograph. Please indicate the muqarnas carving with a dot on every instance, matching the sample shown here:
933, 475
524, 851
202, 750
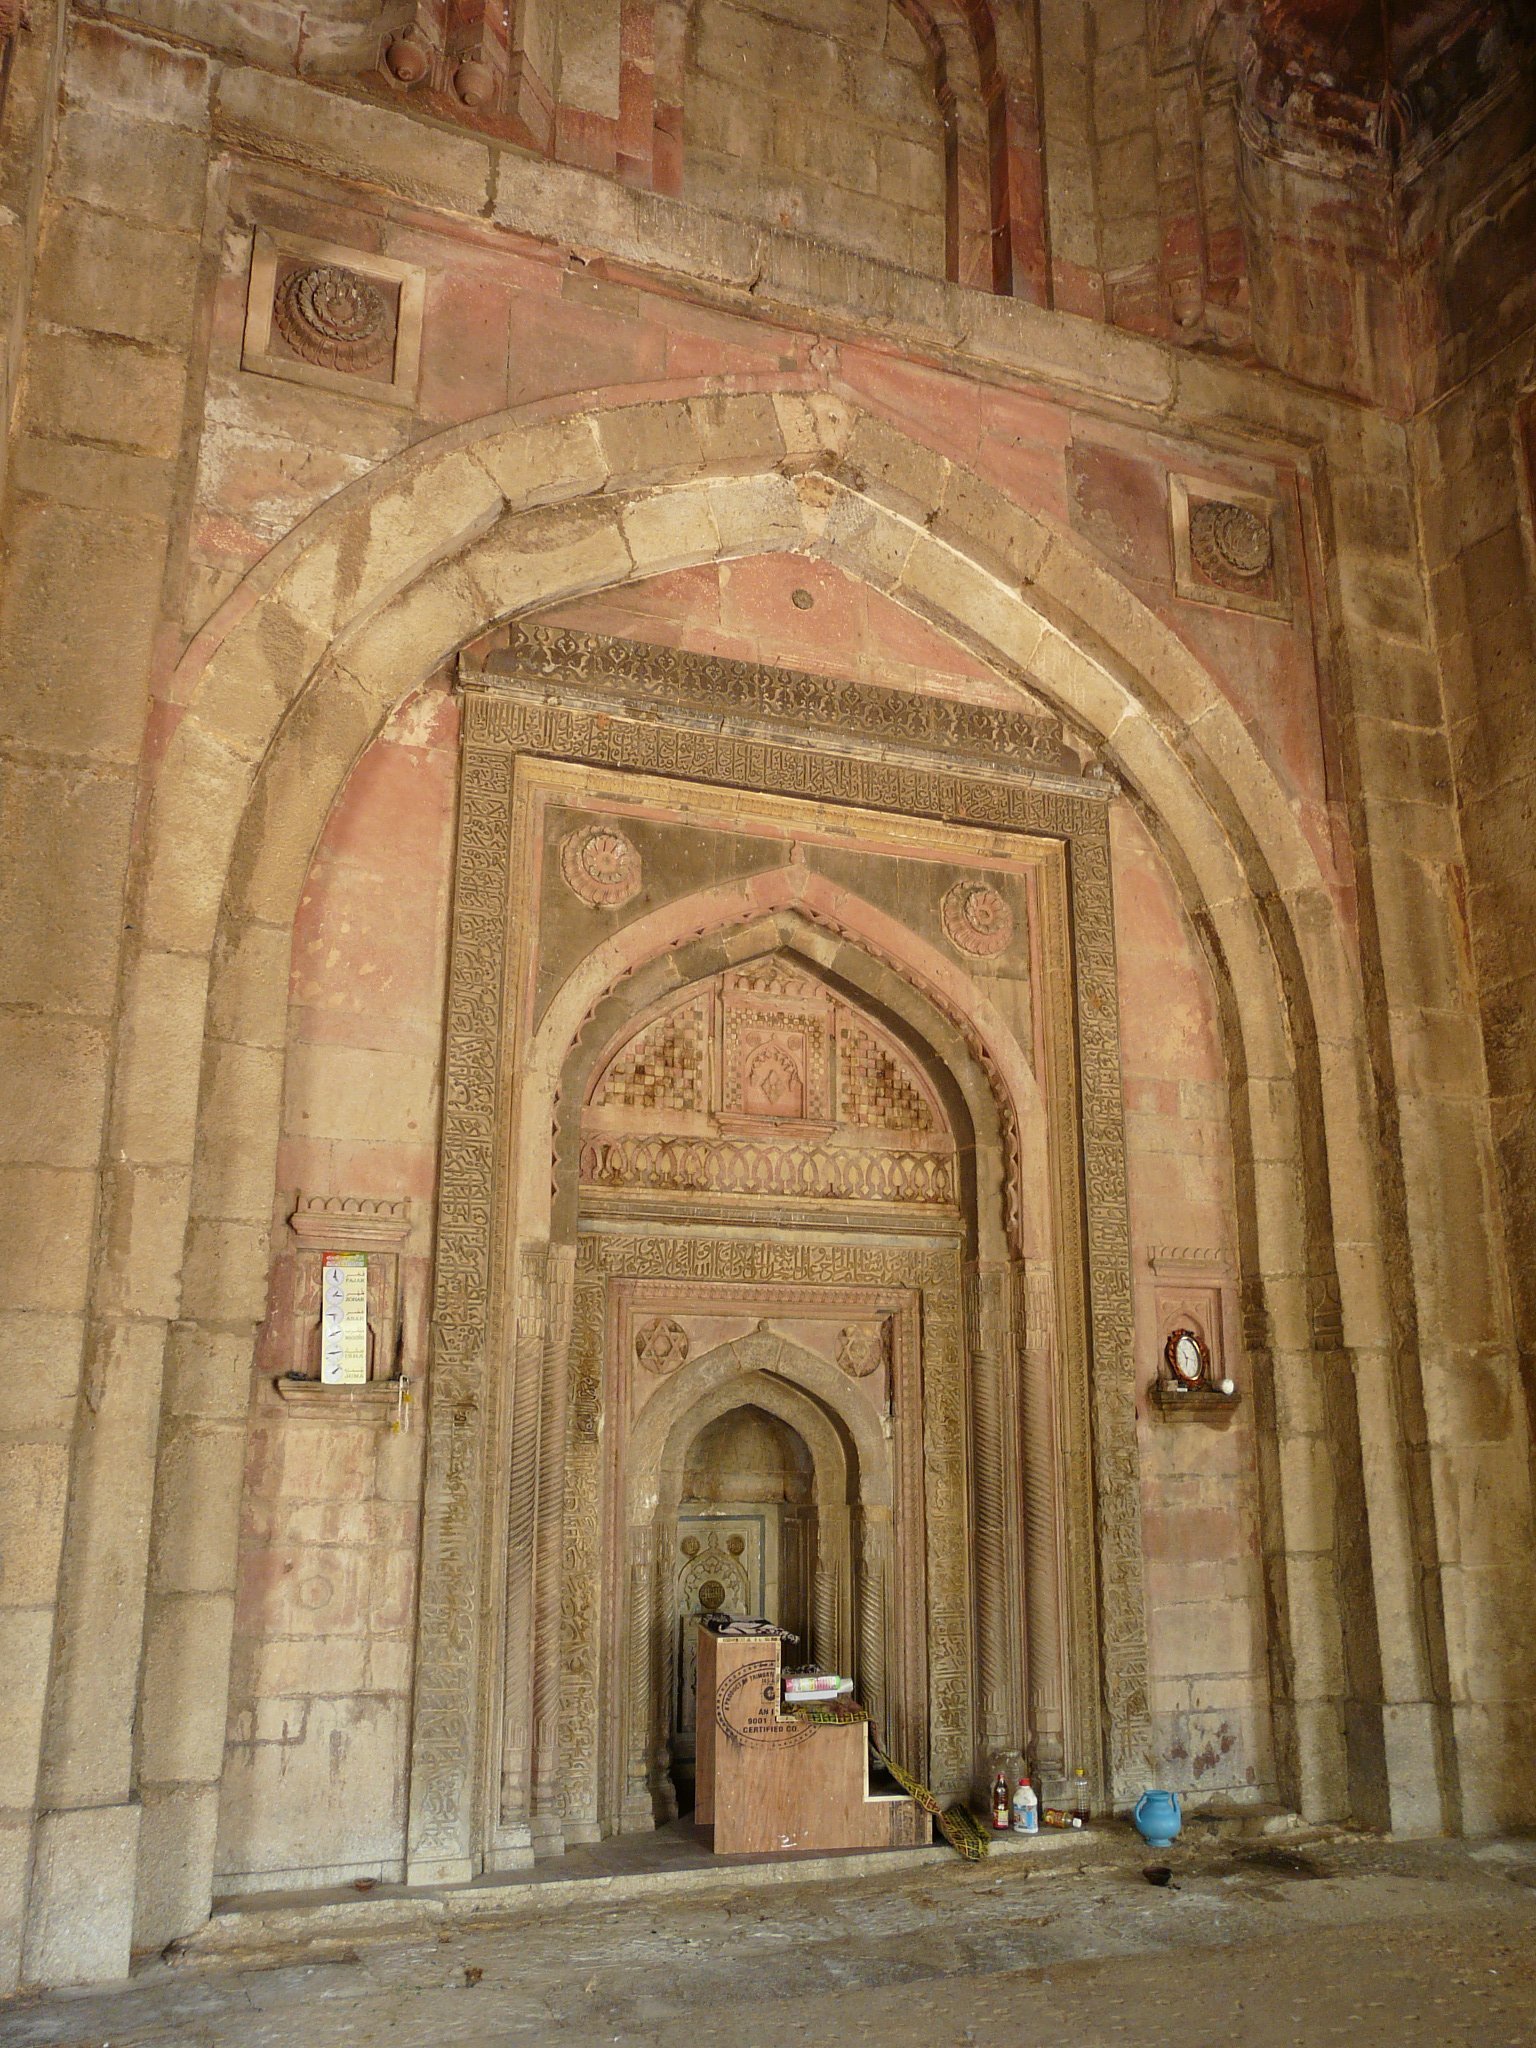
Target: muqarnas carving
601, 866
978, 919
344, 319
1228, 547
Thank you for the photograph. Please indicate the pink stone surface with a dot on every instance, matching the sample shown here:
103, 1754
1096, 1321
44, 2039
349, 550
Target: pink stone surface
1200, 1526
329, 1526
510, 322
745, 610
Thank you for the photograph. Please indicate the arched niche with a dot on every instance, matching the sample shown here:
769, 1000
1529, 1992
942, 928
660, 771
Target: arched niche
930, 1531
849, 1488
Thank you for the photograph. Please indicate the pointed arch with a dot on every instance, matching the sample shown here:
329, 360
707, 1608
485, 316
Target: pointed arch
382, 585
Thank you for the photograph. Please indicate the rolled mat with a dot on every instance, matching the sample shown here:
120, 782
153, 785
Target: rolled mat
957, 1824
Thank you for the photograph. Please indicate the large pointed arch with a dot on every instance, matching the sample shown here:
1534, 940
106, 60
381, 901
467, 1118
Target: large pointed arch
375, 591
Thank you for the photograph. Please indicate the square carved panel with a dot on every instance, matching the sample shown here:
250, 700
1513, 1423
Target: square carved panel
338, 319
1229, 547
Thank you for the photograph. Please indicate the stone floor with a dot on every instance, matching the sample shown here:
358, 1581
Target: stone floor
1259, 1944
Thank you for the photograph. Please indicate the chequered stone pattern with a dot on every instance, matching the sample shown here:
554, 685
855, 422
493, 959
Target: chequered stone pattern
873, 1092
663, 1067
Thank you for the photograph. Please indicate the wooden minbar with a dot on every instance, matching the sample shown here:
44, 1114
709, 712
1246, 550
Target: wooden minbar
768, 1781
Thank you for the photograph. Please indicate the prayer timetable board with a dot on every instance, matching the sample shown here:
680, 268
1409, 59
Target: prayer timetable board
344, 1319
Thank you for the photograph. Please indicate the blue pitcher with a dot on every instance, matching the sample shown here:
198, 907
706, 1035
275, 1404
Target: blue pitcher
1159, 1818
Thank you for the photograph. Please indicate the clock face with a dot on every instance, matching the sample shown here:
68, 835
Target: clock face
1186, 1357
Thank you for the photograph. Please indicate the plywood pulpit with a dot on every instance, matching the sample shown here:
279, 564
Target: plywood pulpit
770, 1781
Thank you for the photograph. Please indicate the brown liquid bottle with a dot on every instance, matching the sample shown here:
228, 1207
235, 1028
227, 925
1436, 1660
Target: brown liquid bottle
1002, 1817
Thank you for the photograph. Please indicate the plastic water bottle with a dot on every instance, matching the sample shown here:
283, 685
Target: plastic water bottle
1026, 1809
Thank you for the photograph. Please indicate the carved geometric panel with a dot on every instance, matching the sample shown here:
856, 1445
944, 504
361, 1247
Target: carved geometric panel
777, 1033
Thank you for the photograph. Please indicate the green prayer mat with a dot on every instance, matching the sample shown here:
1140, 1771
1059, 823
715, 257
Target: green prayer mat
827, 1713
957, 1824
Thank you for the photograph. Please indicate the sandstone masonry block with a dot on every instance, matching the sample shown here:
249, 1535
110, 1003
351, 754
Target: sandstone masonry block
39, 1372
186, 1683
116, 164
105, 390
542, 464
52, 1091
282, 117
197, 1505
80, 1921
119, 277
57, 651
50, 1219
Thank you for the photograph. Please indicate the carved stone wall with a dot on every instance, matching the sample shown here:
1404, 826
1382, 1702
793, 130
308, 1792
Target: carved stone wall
605, 716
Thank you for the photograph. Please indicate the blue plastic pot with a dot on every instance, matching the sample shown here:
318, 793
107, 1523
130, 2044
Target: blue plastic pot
1159, 1818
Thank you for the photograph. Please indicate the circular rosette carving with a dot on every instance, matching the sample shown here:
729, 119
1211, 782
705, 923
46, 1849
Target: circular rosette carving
334, 318
1230, 541
861, 1349
601, 866
977, 918
662, 1345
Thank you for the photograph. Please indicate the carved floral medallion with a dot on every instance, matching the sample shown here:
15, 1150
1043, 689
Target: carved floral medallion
334, 318
1230, 540
601, 866
978, 919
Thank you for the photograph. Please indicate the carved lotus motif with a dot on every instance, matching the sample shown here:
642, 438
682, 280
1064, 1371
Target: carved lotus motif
334, 317
662, 1345
601, 866
1230, 541
977, 918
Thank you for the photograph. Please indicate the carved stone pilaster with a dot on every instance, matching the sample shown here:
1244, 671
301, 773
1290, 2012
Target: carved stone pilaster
824, 1609
445, 1729
952, 1760
549, 1547
1116, 1457
581, 1576
527, 1411
870, 1670
997, 1720
1042, 1528
643, 1660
